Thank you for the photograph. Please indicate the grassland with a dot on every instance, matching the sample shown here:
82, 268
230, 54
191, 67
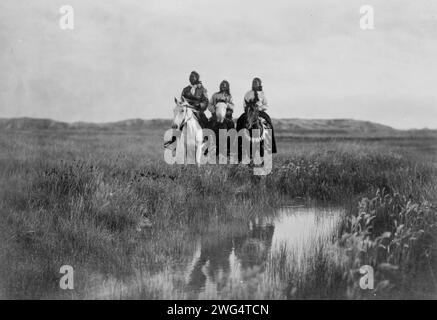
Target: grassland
81, 197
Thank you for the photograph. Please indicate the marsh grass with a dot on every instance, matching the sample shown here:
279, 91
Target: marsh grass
80, 199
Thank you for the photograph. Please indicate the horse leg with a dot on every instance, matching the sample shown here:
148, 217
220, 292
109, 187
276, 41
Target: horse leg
190, 143
181, 147
199, 151
199, 146
219, 126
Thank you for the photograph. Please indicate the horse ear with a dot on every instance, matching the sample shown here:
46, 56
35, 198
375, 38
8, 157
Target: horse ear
183, 99
175, 100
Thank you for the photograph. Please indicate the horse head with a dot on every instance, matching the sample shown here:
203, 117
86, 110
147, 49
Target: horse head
220, 111
253, 121
181, 113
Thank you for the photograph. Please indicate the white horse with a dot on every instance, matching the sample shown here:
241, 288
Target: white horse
220, 111
190, 143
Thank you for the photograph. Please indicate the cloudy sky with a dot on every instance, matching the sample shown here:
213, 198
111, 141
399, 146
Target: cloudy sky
129, 58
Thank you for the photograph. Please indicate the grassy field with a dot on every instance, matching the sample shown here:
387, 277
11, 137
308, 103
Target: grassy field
83, 197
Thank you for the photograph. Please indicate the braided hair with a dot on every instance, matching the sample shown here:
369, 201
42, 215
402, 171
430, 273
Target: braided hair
256, 87
224, 87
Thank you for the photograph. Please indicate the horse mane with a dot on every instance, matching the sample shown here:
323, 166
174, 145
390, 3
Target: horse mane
250, 103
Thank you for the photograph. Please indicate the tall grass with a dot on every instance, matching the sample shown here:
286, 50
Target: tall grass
82, 199
393, 235
396, 236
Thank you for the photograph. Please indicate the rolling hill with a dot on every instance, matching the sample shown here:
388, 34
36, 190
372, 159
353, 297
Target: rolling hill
337, 127
48, 124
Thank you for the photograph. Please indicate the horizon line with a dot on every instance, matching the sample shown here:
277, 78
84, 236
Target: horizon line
167, 119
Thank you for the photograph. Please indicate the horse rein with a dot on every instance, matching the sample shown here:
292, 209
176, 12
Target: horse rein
185, 120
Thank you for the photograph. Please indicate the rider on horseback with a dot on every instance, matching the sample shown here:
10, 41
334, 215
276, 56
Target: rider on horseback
256, 95
224, 96
257, 98
196, 95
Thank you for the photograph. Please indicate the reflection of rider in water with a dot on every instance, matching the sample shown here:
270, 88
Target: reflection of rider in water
253, 252
257, 97
213, 260
251, 249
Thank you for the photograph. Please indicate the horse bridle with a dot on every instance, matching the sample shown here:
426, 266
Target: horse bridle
251, 105
185, 120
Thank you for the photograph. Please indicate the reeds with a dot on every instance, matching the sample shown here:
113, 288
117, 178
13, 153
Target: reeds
81, 200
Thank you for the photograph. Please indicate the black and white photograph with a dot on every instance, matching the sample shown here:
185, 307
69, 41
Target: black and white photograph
219, 151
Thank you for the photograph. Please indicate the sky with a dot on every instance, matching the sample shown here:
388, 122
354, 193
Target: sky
129, 58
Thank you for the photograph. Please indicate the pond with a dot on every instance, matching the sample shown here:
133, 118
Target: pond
239, 260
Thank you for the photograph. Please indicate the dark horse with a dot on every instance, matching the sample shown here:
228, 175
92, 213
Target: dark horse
253, 119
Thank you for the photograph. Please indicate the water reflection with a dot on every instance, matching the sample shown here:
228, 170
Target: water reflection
232, 261
218, 258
